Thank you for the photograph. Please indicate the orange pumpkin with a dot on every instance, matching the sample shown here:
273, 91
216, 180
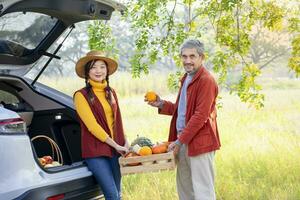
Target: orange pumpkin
132, 154
145, 151
160, 148
151, 96
167, 143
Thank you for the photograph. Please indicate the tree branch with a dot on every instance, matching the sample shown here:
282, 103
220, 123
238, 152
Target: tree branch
272, 59
238, 25
169, 22
189, 15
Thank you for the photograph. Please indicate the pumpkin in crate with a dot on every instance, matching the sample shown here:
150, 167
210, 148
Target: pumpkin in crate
145, 151
132, 154
142, 141
160, 148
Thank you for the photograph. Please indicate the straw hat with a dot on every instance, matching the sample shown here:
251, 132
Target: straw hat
112, 65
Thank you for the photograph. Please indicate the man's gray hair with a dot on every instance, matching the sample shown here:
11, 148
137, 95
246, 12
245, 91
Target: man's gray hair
193, 44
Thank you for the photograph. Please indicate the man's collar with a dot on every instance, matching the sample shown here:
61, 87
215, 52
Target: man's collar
195, 74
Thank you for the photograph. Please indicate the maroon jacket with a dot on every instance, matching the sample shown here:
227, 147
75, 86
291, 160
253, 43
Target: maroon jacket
201, 131
90, 145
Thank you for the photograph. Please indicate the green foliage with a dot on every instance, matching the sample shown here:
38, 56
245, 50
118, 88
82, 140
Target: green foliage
160, 27
294, 24
174, 80
100, 38
146, 16
222, 62
272, 15
247, 88
294, 61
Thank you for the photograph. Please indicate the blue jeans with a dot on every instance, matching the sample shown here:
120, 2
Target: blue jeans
107, 173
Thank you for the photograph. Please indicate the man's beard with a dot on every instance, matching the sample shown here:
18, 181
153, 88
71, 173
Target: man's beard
190, 69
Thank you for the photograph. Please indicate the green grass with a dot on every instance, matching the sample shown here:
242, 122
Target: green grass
260, 154
259, 157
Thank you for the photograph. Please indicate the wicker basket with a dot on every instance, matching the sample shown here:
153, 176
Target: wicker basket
54, 147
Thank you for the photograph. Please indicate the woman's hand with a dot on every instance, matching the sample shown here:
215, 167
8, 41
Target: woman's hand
121, 149
126, 144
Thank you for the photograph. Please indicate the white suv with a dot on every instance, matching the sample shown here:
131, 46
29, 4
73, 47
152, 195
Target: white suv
11, 122
38, 124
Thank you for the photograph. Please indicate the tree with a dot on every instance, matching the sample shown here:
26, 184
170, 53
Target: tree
160, 26
267, 46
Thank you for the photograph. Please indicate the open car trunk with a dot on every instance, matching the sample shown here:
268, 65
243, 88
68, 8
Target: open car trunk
31, 36
51, 118
28, 29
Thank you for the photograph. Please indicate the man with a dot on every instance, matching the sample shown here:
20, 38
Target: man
193, 129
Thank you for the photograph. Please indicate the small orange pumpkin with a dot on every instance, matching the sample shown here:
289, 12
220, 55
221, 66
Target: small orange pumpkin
167, 143
132, 154
151, 96
145, 151
160, 148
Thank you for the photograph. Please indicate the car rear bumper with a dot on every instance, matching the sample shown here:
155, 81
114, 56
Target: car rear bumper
80, 189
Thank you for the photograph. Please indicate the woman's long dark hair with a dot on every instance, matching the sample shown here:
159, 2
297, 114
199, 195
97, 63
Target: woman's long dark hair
87, 67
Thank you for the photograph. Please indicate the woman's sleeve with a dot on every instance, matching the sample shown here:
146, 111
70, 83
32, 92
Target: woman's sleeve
86, 115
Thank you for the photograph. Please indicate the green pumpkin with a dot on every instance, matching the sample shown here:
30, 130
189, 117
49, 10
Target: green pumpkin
142, 141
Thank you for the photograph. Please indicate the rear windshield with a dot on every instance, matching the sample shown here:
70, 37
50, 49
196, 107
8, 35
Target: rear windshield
20, 32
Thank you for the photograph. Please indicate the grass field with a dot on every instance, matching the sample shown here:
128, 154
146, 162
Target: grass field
259, 157
260, 154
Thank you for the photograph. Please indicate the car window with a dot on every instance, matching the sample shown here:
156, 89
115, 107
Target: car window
61, 71
7, 98
23, 31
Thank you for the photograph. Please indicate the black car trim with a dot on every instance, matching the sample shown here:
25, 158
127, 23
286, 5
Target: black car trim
35, 54
50, 55
33, 88
69, 11
12, 134
18, 89
54, 54
1, 7
79, 189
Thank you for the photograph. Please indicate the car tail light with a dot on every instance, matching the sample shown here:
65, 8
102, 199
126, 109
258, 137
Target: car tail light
16, 125
56, 197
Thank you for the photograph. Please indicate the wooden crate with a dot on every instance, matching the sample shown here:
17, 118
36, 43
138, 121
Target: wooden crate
151, 163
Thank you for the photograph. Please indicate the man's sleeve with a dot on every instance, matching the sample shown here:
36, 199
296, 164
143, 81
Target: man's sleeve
167, 109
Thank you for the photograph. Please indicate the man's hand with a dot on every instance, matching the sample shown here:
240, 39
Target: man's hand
174, 147
158, 103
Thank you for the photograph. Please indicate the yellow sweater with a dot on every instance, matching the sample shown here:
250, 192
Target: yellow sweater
85, 113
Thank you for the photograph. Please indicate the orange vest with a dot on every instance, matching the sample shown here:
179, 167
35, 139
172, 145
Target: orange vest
90, 145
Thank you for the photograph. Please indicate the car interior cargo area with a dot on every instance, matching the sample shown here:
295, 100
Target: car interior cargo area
52, 127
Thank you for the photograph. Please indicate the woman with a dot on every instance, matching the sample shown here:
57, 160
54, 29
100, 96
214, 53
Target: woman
102, 139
